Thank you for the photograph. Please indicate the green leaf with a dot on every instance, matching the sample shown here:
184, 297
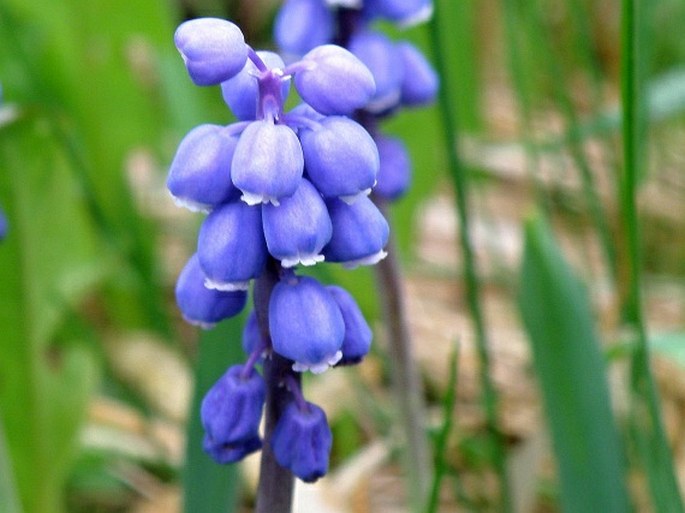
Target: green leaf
44, 388
570, 368
207, 486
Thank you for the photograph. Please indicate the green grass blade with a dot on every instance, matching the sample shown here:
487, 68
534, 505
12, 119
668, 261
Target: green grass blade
461, 184
571, 372
207, 486
449, 402
647, 429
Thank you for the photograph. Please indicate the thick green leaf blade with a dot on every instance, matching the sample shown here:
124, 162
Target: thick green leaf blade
570, 368
207, 486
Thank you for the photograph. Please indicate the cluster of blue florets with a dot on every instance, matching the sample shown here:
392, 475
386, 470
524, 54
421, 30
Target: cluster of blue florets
281, 189
403, 76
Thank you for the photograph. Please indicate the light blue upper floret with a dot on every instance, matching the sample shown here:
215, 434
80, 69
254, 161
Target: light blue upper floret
302, 440
380, 55
267, 163
202, 306
305, 323
213, 49
297, 230
199, 177
420, 82
341, 157
231, 246
301, 25
334, 81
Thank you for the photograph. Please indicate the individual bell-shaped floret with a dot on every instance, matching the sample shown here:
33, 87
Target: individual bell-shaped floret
241, 93
300, 25
297, 230
302, 440
341, 158
358, 335
213, 49
200, 174
394, 174
305, 323
231, 246
334, 81
404, 12
230, 413
360, 232
267, 163
381, 56
202, 306
420, 82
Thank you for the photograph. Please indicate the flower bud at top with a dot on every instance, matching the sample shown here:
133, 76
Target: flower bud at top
420, 83
394, 174
334, 81
305, 323
302, 440
381, 56
213, 49
202, 306
404, 12
301, 25
231, 246
297, 230
241, 93
341, 157
358, 335
199, 177
267, 163
231, 411
360, 232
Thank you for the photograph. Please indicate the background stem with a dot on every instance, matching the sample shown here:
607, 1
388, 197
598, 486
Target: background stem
405, 375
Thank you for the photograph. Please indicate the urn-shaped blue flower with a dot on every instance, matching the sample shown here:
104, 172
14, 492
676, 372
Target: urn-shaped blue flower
358, 335
301, 25
302, 440
231, 246
199, 177
305, 323
213, 49
231, 411
202, 306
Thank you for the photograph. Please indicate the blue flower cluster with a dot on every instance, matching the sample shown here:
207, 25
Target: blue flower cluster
403, 76
280, 189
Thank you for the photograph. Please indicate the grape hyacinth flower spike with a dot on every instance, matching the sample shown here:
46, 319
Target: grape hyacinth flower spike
280, 190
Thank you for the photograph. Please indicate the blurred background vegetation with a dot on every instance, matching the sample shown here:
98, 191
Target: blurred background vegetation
574, 252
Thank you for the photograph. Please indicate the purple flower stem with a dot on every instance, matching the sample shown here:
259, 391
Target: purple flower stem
405, 374
275, 489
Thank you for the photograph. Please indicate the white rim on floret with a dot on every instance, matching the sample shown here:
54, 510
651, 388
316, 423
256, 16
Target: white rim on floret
306, 260
200, 324
191, 205
384, 102
318, 368
351, 198
227, 286
419, 17
367, 260
353, 4
253, 199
